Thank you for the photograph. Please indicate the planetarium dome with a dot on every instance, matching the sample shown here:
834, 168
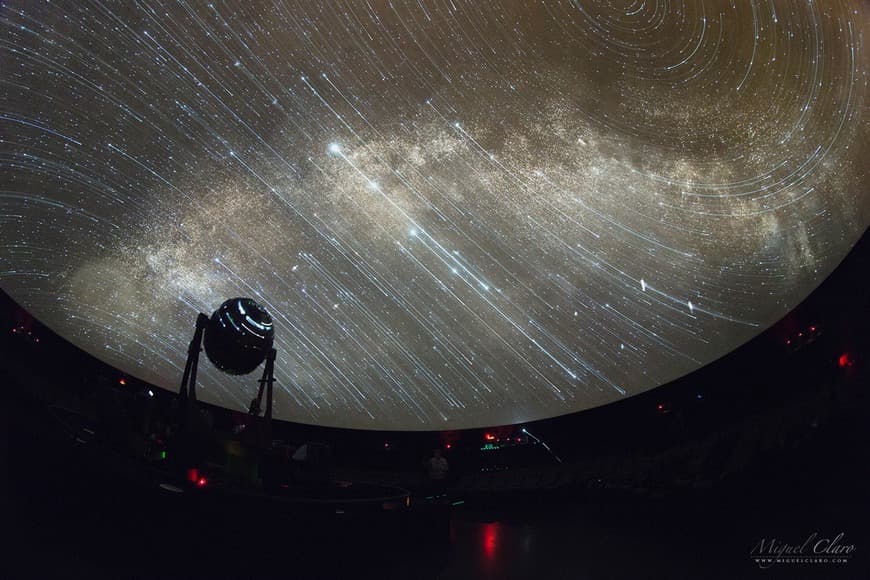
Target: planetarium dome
457, 214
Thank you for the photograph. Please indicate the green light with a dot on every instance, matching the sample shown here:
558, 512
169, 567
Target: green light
460, 502
162, 455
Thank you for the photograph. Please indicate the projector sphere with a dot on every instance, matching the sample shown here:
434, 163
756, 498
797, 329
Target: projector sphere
238, 336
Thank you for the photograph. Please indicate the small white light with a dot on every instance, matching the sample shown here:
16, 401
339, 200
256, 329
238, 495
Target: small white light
334, 148
150, 393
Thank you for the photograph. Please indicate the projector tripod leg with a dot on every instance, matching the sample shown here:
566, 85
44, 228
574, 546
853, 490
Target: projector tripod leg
269, 379
193, 350
183, 452
266, 382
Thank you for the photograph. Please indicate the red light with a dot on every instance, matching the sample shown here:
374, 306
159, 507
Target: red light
812, 328
489, 436
844, 360
192, 475
448, 446
201, 482
660, 407
490, 539
122, 381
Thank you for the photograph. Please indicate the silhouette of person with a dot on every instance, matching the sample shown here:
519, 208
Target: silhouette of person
438, 469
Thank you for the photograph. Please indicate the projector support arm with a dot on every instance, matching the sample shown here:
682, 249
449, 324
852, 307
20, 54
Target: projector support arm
185, 453
188, 379
269, 379
266, 383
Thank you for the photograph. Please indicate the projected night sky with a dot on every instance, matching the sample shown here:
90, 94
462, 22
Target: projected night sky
458, 213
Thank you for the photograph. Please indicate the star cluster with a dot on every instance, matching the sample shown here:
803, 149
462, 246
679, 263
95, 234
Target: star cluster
458, 213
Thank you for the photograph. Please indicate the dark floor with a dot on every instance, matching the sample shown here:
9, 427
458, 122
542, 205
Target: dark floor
89, 515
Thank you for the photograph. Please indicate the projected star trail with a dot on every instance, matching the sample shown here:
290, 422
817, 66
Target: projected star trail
457, 213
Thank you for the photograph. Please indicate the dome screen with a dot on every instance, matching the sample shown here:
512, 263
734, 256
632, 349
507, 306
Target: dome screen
456, 214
